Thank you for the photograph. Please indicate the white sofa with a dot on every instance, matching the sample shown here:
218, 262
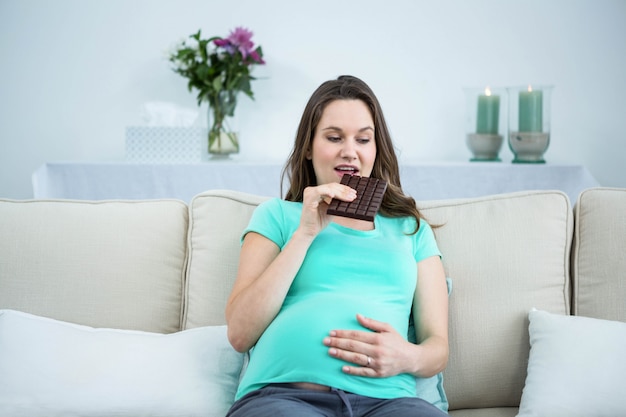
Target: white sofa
116, 307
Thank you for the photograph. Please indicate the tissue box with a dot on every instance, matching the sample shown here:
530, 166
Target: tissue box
165, 144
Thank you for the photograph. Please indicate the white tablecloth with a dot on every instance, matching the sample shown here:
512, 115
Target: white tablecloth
423, 181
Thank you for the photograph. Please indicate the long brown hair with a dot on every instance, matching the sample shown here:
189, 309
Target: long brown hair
299, 170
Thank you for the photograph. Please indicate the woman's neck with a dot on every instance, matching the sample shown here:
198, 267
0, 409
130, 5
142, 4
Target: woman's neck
354, 223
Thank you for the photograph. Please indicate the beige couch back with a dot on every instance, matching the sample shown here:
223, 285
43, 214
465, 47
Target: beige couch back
505, 255
123, 265
599, 254
103, 264
217, 219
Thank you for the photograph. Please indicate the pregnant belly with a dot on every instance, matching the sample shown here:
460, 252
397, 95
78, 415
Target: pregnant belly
293, 343
292, 349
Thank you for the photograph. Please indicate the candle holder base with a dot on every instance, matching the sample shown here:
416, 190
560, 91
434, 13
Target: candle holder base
484, 147
529, 147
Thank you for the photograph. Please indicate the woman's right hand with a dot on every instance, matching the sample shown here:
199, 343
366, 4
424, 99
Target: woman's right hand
266, 271
315, 202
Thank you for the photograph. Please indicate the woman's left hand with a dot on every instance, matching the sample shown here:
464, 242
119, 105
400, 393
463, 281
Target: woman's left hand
381, 352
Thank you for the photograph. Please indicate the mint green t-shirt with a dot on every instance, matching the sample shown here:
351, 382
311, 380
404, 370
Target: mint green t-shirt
345, 272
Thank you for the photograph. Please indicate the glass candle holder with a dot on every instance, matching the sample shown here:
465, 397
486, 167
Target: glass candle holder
485, 122
529, 122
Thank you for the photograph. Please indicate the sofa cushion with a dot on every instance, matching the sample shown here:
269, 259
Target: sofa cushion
576, 367
104, 264
507, 254
599, 254
486, 412
51, 368
217, 219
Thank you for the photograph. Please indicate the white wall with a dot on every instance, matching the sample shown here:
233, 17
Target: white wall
75, 73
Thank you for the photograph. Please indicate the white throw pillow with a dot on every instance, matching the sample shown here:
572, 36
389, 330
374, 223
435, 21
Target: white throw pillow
51, 368
577, 367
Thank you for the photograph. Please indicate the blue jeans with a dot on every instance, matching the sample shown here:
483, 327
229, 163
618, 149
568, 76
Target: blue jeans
282, 400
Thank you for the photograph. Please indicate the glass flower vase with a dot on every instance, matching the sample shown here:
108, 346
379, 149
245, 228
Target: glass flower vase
223, 137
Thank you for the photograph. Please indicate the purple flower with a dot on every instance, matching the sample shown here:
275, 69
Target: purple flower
256, 57
241, 38
225, 43
221, 42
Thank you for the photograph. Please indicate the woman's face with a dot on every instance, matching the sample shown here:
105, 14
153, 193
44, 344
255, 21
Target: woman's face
343, 142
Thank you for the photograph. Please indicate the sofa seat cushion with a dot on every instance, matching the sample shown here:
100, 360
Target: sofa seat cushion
576, 367
51, 368
485, 412
118, 264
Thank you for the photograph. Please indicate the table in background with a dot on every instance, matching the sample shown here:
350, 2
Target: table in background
423, 181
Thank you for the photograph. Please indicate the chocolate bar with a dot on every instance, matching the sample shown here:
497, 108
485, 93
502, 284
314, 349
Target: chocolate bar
369, 197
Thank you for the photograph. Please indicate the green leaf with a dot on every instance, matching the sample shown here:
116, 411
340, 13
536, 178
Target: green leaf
217, 84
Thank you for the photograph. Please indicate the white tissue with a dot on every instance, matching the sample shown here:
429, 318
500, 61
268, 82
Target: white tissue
160, 113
